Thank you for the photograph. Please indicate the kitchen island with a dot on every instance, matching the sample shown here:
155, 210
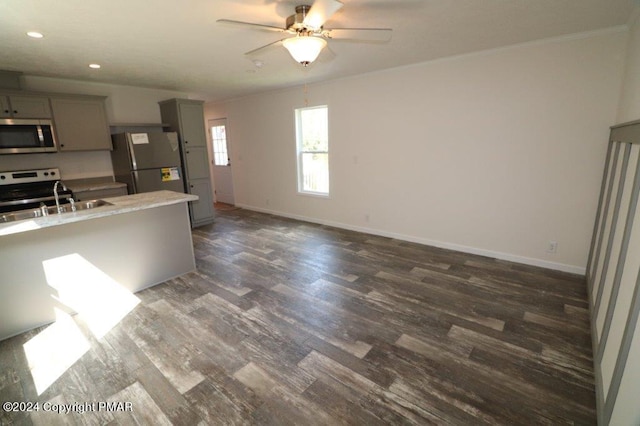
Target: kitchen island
101, 254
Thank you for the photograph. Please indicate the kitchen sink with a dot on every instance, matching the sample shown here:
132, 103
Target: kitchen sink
86, 205
52, 210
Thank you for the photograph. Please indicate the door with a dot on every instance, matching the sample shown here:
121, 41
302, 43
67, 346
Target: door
221, 163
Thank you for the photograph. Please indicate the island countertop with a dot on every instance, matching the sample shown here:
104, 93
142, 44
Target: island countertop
120, 205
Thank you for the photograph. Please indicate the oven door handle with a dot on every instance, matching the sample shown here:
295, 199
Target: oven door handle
30, 200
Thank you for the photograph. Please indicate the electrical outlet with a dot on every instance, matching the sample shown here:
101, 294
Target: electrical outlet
552, 247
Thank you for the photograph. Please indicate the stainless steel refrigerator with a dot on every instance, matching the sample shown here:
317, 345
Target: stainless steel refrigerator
147, 162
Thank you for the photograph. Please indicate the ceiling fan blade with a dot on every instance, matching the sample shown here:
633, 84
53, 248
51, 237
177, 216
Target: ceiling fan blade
266, 46
320, 13
375, 35
251, 24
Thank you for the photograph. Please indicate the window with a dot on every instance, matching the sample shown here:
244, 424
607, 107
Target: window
219, 139
312, 134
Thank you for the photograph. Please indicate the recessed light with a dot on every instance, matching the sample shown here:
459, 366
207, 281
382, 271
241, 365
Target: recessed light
94, 66
35, 34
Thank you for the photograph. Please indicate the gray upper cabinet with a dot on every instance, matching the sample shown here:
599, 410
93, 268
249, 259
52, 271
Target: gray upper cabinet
5, 107
81, 123
24, 106
192, 121
186, 117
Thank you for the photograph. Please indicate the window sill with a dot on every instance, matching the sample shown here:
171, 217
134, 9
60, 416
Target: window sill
314, 194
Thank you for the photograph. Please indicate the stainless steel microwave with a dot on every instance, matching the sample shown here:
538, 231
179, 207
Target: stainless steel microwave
23, 136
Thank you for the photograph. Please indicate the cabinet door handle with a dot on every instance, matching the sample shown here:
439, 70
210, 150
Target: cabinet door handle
190, 186
6, 111
187, 152
15, 112
186, 141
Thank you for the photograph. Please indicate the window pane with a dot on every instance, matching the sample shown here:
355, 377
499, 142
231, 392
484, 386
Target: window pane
315, 172
219, 137
312, 126
314, 122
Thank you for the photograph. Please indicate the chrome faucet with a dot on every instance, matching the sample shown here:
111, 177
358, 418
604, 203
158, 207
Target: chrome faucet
55, 195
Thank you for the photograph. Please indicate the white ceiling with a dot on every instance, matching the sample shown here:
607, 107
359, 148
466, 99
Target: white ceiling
178, 45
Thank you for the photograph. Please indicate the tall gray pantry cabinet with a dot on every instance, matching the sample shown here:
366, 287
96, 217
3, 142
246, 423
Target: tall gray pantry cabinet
186, 116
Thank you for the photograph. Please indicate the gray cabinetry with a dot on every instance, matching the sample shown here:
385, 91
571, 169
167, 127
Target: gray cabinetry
186, 117
24, 106
5, 107
81, 123
614, 281
202, 210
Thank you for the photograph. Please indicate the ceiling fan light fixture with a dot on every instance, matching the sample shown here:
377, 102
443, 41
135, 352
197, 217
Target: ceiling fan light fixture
304, 49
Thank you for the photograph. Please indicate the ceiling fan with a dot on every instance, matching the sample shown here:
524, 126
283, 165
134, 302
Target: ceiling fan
307, 34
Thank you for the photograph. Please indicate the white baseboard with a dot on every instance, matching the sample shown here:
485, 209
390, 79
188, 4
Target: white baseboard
579, 270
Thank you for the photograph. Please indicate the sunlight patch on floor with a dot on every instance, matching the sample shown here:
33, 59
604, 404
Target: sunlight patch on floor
99, 299
54, 350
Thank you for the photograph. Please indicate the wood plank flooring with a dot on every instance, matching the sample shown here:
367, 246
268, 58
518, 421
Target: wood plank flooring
286, 322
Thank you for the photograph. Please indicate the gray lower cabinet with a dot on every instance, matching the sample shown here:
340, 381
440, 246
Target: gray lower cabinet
81, 123
24, 106
202, 210
186, 116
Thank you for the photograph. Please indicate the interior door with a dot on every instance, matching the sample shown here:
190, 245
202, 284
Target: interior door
221, 163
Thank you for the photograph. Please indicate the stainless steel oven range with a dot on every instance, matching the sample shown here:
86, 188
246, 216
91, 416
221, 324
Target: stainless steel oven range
31, 189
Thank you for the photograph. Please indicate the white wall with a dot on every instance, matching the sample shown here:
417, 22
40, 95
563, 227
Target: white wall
124, 104
629, 108
495, 153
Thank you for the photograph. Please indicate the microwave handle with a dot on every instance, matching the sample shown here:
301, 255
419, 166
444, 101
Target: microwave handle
40, 134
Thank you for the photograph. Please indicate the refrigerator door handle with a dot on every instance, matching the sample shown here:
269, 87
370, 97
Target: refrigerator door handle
132, 151
135, 179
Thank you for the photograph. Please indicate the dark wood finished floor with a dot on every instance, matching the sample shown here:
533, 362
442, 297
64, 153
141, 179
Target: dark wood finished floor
286, 322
